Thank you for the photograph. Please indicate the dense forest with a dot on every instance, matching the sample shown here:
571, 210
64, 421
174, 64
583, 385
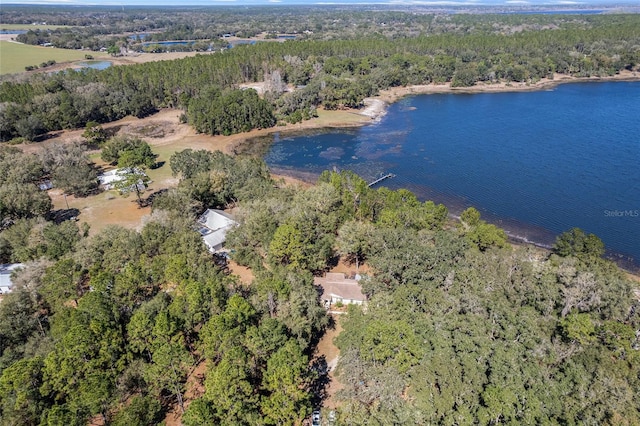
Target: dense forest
303, 75
460, 326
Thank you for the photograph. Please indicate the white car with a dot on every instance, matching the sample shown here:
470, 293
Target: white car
315, 418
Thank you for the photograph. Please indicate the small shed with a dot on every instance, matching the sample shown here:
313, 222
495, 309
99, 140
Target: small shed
338, 288
213, 226
6, 285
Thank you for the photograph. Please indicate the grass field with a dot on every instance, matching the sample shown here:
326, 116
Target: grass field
15, 56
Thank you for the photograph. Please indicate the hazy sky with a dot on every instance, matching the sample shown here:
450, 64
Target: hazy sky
567, 3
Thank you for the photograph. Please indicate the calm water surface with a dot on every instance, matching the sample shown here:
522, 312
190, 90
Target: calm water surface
536, 163
96, 65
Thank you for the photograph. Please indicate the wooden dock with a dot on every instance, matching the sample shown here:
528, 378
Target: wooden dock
380, 179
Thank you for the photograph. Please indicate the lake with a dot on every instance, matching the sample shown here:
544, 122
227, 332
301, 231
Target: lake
535, 163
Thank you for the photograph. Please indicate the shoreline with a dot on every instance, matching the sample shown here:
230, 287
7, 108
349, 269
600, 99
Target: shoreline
180, 135
395, 94
514, 236
376, 107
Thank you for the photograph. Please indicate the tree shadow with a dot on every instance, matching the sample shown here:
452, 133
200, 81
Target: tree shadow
149, 200
46, 136
158, 165
332, 262
59, 216
321, 381
331, 324
113, 130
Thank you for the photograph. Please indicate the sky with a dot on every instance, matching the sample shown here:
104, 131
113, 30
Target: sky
567, 3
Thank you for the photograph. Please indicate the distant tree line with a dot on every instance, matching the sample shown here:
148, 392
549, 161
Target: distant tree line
100, 26
335, 74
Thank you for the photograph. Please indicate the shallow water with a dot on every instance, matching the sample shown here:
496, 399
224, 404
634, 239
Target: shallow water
96, 65
536, 163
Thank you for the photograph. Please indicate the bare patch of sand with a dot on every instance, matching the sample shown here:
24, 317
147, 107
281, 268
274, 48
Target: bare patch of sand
284, 181
102, 210
393, 94
141, 58
327, 349
242, 272
8, 37
194, 390
349, 269
374, 108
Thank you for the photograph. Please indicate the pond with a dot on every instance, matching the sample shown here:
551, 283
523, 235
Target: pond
96, 65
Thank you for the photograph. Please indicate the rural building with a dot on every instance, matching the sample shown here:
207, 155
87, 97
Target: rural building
214, 225
108, 179
5, 276
337, 288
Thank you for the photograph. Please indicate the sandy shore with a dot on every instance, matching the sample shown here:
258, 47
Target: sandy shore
179, 135
395, 93
8, 37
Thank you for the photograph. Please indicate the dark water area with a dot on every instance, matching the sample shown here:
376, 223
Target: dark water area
535, 163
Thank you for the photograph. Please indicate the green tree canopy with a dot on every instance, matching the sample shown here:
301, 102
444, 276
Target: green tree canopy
128, 152
70, 168
576, 242
481, 234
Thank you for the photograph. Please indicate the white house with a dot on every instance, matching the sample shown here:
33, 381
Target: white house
337, 288
5, 276
214, 225
108, 179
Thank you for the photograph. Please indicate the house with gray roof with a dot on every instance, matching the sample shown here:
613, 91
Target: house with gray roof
338, 288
